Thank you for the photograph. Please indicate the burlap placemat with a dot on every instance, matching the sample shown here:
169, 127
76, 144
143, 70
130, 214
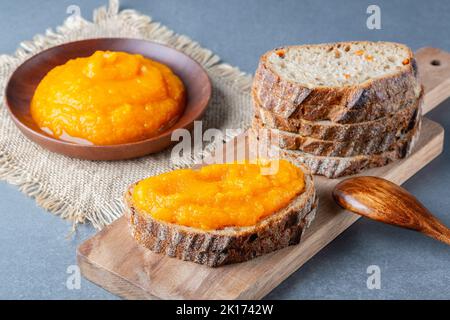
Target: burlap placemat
89, 191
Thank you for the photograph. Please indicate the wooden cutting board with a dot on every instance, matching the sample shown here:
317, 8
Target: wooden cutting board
114, 261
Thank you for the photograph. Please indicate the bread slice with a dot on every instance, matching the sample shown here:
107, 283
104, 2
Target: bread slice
233, 244
326, 130
343, 82
375, 143
334, 167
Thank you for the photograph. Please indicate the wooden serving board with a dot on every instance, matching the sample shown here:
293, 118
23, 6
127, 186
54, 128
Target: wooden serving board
113, 260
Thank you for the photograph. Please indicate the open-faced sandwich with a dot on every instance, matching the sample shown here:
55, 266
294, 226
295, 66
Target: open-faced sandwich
222, 213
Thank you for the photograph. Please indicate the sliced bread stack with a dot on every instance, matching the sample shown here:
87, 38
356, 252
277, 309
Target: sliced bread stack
340, 108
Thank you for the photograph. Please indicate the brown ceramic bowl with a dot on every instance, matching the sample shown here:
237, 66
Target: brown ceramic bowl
23, 82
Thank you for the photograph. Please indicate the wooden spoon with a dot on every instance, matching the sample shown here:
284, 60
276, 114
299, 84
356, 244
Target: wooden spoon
384, 201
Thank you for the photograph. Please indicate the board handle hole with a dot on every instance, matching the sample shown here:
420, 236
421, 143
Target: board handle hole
435, 63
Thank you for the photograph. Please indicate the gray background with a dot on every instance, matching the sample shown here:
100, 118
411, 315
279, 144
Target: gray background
35, 251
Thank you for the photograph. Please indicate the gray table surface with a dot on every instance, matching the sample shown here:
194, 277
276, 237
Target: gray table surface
35, 252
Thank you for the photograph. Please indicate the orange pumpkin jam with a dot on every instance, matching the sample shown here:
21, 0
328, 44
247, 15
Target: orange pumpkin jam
219, 195
108, 98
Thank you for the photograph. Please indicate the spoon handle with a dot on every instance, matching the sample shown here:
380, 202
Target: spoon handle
438, 231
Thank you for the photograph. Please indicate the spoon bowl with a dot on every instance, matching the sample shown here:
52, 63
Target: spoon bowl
384, 201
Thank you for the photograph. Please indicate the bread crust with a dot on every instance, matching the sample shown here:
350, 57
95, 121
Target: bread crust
363, 131
230, 245
373, 144
373, 99
335, 167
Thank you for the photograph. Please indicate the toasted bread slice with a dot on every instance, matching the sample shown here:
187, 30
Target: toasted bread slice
374, 144
345, 82
229, 245
327, 130
334, 167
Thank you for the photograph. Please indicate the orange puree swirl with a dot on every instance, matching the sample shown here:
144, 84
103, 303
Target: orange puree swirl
219, 195
108, 98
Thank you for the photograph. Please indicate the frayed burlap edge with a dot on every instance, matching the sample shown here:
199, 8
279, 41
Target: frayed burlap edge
11, 172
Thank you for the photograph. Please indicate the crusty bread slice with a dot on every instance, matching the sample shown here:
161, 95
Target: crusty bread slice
344, 82
326, 130
334, 167
233, 244
349, 148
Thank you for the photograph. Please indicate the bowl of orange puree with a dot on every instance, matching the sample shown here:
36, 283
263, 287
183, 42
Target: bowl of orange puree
107, 99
